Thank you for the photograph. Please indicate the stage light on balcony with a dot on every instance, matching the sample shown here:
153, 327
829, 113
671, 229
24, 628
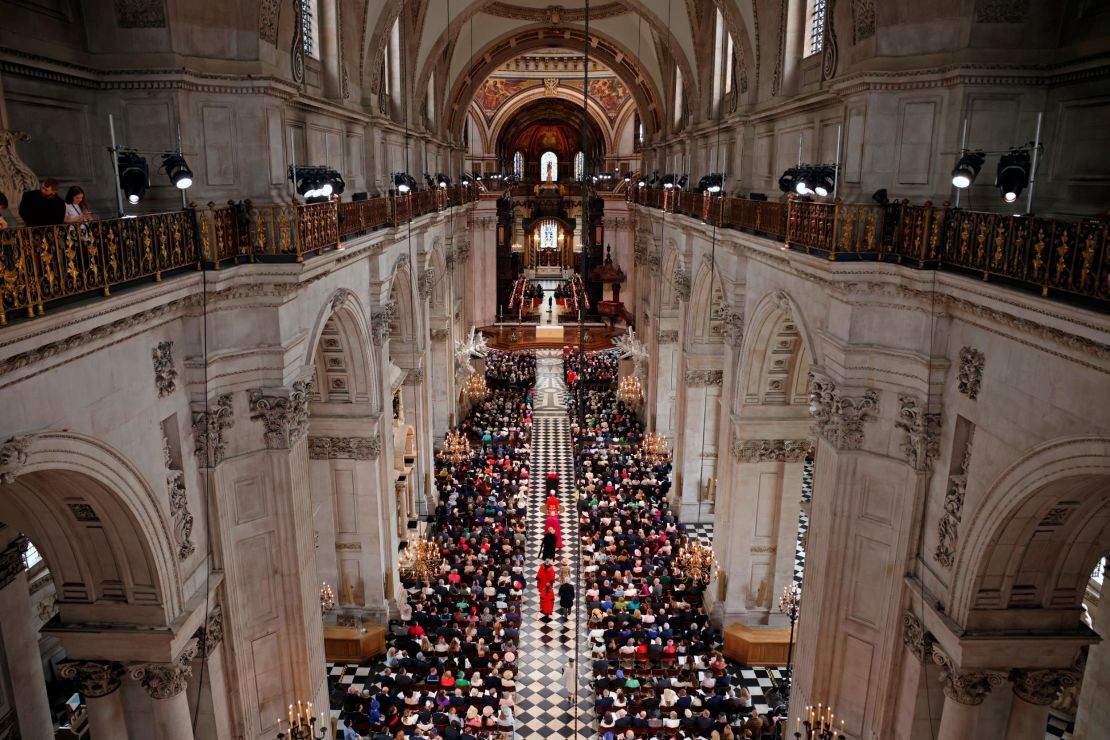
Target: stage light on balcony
403, 182
682, 182
789, 180
823, 180
134, 176
1013, 174
177, 170
668, 182
642, 182
966, 170
442, 180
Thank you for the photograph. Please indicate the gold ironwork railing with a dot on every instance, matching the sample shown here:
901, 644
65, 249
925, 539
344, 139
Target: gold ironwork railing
1069, 260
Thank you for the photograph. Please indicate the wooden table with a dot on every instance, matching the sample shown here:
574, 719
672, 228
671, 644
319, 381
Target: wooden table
757, 646
352, 644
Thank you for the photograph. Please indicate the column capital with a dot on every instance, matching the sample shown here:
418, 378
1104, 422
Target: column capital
284, 413
1040, 686
96, 678
840, 417
166, 680
211, 634
965, 687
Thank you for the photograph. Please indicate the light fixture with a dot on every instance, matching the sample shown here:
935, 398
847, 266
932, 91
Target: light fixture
403, 182
788, 604
134, 176
696, 561
789, 180
316, 181
642, 182
302, 724
442, 180
881, 197
630, 392
429, 181
668, 182
327, 597
475, 389
965, 171
456, 447
711, 183
177, 170
654, 181
823, 181
655, 450
682, 182
1013, 174
805, 179
424, 558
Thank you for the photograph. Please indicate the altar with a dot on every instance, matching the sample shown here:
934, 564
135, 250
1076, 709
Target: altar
549, 333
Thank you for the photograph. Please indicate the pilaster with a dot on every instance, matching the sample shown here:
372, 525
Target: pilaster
21, 644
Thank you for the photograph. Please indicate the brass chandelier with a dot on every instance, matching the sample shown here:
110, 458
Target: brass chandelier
475, 389
629, 391
456, 447
425, 558
655, 449
697, 561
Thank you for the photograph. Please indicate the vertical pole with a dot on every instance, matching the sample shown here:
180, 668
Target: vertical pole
1033, 166
963, 150
836, 164
293, 162
115, 165
184, 199
801, 137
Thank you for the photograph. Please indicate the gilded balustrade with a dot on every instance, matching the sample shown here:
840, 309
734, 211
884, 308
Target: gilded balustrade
810, 225
361, 216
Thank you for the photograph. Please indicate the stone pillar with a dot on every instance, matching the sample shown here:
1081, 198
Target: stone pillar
700, 419
165, 683
964, 692
1034, 691
99, 684
21, 644
209, 690
1093, 714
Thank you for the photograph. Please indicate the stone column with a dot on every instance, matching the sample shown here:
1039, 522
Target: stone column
964, 692
21, 644
209, 690
165, 683
1034, 691
99, 683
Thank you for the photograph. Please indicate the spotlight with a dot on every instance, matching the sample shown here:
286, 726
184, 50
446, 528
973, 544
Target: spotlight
627, 177
134, 176
711, 183
403, 182
789, 180
177, 170
654, 181
429, 181
682, 181
642, 182
316, 181
966, 169
823, 180
804, 185
465, 178
668, 182
442, 180
1013, 174
880, 197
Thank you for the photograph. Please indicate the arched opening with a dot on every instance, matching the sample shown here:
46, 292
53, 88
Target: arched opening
549, 132
409, 402
549, 167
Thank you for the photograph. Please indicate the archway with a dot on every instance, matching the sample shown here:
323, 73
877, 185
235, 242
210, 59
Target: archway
547, 130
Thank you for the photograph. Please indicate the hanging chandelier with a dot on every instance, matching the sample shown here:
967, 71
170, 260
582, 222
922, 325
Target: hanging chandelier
697, 561
456, 447
475, 389
629, 391
655, 449
327, 597
425, 558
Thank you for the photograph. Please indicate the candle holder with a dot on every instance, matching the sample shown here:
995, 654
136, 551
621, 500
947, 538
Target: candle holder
303, 724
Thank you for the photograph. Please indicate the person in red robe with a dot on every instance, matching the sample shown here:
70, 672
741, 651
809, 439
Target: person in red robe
545, 576
552, 505
547, 599
553, 523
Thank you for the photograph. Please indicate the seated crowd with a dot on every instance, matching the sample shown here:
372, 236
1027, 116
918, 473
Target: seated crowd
505, 416
451, 666
596, 368
598, 416
511, 368
658, 670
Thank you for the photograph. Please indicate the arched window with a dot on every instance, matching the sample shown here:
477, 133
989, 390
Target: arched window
815, 26
518, 166
549, 234
549, 167
579, 166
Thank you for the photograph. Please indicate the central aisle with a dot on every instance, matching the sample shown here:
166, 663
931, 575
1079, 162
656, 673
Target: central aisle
546, 643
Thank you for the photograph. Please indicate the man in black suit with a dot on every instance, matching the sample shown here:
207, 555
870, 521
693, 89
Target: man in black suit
43, 207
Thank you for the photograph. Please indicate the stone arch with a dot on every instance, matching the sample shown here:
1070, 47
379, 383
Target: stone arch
671, 264
1034, 538
100, 528
705, 312
521, 100
404, 329
775, 357
342, 357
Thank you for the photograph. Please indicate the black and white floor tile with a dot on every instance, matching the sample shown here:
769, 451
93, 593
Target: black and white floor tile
803, 523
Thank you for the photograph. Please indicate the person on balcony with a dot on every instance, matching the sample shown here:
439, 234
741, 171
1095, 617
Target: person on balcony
77, 208
43, 207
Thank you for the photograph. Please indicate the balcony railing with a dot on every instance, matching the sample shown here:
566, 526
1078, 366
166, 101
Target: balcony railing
50, 264
1067, 260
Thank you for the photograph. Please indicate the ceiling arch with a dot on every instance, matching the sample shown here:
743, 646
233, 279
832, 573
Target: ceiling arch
548, 124
511, 107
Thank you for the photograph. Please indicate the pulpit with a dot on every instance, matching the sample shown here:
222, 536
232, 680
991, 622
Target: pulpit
757, 646
353, 644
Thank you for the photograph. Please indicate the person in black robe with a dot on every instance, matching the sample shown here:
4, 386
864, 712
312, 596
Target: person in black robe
548, 545
566, 598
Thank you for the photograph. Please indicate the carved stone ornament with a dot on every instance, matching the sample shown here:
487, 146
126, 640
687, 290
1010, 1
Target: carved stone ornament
463, 251
344, 448
829, 51
209, 426
438, 335
96, 679
922, 443
381, 320
1001, 11
681, 280
268, 12
166, 680
415, 376
285, 418
296, 51
13, 456
427, 283
141, 13
840, 418
733, 321
965, 687
15, 175
211, 634
11, 560
770, 450
179, 505
703, 378
667, 337
165, 374
1042, 686
949, 525
863, 18
970, 374
917, 639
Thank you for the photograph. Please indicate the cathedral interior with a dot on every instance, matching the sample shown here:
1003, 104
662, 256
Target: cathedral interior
497, 369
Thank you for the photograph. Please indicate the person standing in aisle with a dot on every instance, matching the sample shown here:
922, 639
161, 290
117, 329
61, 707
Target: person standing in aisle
566, 598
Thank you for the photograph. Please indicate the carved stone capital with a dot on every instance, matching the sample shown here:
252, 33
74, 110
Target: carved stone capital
917, 639
344, 448
681, 283
284, 417
922, 441
703, 378
970, 374
770, 450
211, 634
380, 321
166, 680
840, 418
1041, 686
427, 283
11, 560
13, 456
165, 374
209, 426
965, 687
95, 678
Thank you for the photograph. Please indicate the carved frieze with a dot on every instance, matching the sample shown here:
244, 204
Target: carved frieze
165, 374
268, 12
211, 634
970, 374
284, 417
209, 426
949, 525
344, 448
427, 283
11, 560
141, 13
917, 639
1001, 11
179, 504
863, 18
13, 456
770, 450
96, 679
840, 418
703, 378
166, 680
733, 321
922, 441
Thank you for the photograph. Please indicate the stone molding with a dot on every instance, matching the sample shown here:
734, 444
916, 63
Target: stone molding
554, 14
97, 679
1040, 686
166, 680
284, 417
965, 687
970, 374
179, 504
380, 321
344, 448
770, 450
922, 443
13, 456
12, 561
840, 418
916, 637
667, 337
208, 431
703, 378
